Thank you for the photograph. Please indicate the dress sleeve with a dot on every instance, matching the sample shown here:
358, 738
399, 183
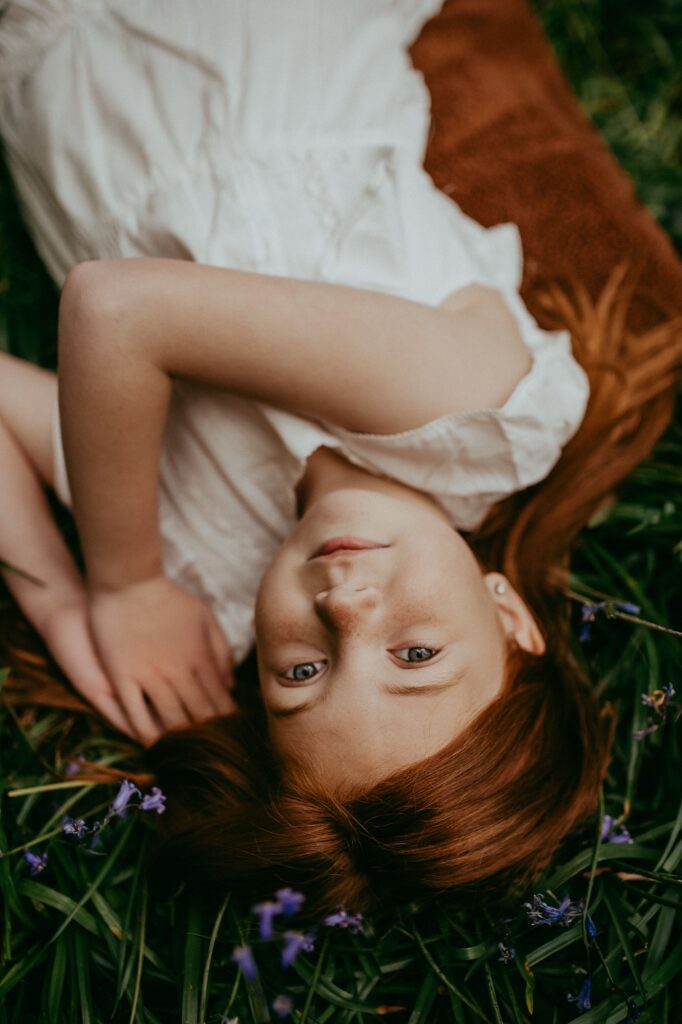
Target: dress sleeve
470, 460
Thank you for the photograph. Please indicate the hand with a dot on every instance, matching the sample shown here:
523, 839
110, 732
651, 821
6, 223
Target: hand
160, 644
67, 635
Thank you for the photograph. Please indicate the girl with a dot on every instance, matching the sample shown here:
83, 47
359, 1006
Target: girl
274, 426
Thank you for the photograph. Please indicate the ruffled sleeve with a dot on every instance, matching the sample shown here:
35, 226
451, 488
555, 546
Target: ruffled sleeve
470, 460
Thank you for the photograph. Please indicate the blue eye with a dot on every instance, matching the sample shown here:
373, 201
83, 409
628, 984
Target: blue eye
305, 670
415, 654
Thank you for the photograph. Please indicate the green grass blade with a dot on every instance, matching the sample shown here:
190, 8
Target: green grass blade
618, 916
209, 957
191, 973
55, 986
81, 963
425, 1000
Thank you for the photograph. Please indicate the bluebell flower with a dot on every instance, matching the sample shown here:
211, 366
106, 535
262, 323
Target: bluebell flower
282, 1006
125, 793
266, 911
660, 699
154, 801
243, 956
659, 703
590, 927
294, 943
627, 606
289, 900
72, 768
507, 953
639, 734
74, 827
36, 862
584, 634
613, 831
565, 914
584, 997
589, 613
342, 919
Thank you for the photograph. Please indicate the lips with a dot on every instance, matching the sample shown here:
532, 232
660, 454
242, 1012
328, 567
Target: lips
346, 546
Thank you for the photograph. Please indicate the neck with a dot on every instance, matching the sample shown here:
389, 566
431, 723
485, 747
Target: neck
328, 471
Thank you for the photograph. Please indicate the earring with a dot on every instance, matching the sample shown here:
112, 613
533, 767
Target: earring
500, 588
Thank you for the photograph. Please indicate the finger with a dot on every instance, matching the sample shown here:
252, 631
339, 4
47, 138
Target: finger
167, 704
222, 652
92, 683
147, 726
215, 674
110, 708
213, 687
194, 696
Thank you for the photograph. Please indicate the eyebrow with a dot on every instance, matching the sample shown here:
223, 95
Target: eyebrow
406, 690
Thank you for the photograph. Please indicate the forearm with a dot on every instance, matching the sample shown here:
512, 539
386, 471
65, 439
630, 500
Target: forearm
113, 404
30, 539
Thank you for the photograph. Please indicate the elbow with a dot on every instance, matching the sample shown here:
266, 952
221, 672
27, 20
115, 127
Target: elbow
91, 301
83, 304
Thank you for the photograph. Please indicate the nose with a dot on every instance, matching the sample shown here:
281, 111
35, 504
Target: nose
344, 605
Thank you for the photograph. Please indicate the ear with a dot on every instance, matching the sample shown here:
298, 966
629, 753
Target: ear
515, 616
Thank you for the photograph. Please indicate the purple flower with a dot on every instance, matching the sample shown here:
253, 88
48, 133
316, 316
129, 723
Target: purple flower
639, 734
564, 915
614, 832
589, 614
294, 943
36, 862
590, 927
266, 911
659, 700
123, 798
243, 956
659, 703
154, 801
507, 953
584, 997
289, 900
72, 768
74, 827
627, 606
282, 1006
342, 919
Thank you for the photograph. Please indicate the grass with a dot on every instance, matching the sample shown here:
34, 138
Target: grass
84, 940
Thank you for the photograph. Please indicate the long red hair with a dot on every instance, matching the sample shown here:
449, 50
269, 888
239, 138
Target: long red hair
485, 814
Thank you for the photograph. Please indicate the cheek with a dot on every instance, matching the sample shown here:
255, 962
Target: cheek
450, 569
267, 598
278, 607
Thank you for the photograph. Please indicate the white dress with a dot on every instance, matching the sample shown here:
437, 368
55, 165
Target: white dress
285, 137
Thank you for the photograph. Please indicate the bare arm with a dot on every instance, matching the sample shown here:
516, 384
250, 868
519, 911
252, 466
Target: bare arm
364, 360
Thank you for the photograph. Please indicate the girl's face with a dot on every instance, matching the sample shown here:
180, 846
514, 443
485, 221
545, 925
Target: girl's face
373, 660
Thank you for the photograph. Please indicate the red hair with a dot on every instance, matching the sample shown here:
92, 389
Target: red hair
485, 814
